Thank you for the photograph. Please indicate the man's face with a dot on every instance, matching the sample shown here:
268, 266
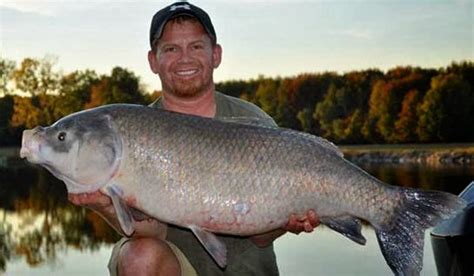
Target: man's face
185, 59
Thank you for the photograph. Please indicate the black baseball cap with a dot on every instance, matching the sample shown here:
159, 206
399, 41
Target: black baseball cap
162, 16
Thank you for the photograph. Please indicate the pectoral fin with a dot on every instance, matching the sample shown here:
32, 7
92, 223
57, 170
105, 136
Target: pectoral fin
346, 225
122, 210
213, 245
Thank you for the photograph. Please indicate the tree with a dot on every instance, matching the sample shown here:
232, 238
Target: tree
266, 95
328, 111
305, 117
344, 106
29, 112
8, 135
75, 92
239, 88
378, 96
6, 69
447, 111
406, 124
36, 77
122, 86
386, 99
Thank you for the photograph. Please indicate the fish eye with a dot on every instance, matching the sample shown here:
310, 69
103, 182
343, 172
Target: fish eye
62, 136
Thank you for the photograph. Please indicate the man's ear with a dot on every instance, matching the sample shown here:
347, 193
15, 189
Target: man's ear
217, 55
152, 61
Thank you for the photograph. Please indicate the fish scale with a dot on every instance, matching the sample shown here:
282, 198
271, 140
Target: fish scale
233, 176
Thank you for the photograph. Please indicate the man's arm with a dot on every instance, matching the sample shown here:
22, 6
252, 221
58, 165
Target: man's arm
295, 225
102, 204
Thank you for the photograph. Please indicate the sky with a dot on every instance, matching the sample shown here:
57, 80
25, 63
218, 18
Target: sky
271, 38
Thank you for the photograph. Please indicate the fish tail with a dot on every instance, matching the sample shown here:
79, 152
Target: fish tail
401, 238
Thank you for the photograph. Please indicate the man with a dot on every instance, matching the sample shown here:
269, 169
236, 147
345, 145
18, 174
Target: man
184, 53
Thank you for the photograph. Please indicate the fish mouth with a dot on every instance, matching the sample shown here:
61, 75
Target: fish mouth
30, 146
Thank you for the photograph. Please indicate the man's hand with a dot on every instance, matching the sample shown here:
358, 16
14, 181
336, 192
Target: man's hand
305, 223
102, 204
295, 225
96, 201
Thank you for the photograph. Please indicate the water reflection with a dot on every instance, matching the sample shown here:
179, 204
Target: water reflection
450, 177
38, 225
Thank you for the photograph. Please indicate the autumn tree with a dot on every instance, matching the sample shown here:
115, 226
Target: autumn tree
29, 112
407, 120
37, 79
386, 99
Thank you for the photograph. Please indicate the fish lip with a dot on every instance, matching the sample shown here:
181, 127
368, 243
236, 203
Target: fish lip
24, 152
30, 145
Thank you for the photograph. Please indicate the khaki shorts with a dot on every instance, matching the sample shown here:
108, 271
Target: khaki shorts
186, 268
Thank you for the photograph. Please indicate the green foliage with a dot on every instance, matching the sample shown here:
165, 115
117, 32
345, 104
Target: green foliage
122, 86
266, 95
75, 91
6, 70
342, 111
447, 111
305, 117
239, 88
36, 77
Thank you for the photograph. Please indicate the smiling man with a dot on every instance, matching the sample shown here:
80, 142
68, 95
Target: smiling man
184, 53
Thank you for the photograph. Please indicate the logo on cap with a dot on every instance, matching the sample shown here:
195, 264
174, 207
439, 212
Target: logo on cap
184, 6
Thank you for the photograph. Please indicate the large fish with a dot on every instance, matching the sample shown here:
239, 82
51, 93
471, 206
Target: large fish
231, 176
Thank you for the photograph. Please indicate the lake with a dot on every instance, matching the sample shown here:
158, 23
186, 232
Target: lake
42, 234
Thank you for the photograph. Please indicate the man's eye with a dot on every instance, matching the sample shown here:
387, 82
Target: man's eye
198, 46
62, 136
169, 49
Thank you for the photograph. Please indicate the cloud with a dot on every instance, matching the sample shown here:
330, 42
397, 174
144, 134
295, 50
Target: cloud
50, 7
37, 7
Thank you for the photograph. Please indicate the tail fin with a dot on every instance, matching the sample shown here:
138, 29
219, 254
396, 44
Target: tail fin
402, 240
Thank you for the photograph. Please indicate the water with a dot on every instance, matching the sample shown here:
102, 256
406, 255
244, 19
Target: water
41, 233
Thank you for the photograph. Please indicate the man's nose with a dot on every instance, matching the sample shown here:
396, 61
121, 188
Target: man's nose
185, 55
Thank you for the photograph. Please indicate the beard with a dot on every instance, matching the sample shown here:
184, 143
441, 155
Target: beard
189, 88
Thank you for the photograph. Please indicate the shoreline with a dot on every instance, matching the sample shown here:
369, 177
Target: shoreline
430, 154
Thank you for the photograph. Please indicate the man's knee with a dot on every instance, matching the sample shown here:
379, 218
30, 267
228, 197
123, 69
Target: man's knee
147, 256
